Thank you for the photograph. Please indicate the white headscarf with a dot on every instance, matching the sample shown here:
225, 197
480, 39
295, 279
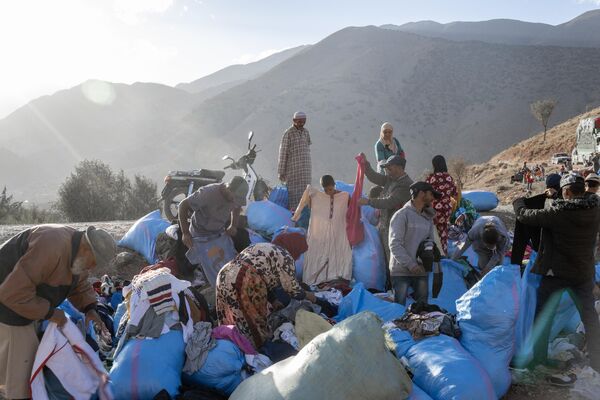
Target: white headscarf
391, 142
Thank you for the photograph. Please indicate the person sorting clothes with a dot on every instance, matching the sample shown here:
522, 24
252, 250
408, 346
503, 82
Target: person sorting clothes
490, 241
409, 229
329, 255
40, 268
214, 210
260, 279
566, 260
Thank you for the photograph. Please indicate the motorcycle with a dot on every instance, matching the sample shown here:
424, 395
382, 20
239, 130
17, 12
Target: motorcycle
257, 187
181, 184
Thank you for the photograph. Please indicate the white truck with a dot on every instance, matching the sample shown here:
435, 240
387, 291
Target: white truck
588, 140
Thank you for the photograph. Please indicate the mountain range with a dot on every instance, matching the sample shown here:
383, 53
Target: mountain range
444, 95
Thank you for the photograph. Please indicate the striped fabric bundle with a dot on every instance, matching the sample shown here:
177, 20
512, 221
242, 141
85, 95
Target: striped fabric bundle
155, 285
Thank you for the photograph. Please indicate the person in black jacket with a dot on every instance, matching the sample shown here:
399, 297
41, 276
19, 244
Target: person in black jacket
566, 259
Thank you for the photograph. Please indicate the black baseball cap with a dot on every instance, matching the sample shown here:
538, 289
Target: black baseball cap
421, 186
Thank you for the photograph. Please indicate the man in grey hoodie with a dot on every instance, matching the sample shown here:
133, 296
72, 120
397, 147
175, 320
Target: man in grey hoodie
409, 227
490, 240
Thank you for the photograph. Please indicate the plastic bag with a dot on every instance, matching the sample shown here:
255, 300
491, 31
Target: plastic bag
360, 299
141, 237
445, 370
344, 187
266, 217
222, 369
487, 315
418, 394
255, 237
146, 366
481, 200
350, 361
280, 196
368, 260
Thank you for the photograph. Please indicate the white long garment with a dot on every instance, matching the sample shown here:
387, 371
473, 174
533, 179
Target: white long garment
77, 367
329, 254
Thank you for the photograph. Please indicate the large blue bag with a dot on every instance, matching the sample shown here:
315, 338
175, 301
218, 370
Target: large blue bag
487, 315
360, 299
368, 259
141, 237
266, 217
482, 200
255, 237
444, 370
280, 196
418, 394
453, 286
222, 369
146, 366
344, 187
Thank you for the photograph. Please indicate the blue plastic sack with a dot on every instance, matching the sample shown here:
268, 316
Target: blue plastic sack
370, 214
120, 311
360, 299
255, 237
398, 340
445, 370
487, 315
115, 299
453, 286
344, 187
222, 369
266, 217
482, 200
299, 267
368, 259
146, 366
418, 394
141, 237
280, 196
597, 273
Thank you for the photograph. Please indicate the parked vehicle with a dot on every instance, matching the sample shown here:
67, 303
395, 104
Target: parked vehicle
588, 140
181, 184
257, 187
560, 158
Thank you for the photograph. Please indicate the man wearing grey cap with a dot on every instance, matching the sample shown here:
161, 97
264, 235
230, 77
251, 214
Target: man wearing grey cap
294, 168
565, 260
40, 268
395, 193
214, 210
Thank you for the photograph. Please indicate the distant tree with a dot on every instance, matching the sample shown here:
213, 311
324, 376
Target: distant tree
541, 110
9, 209
87, 195
458, 168
94, 193
142, 198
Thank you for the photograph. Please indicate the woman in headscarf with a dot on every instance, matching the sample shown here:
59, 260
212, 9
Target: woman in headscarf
387, 146
442, 182
261, 279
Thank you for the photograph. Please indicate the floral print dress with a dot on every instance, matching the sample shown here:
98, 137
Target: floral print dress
442, 182
243, 286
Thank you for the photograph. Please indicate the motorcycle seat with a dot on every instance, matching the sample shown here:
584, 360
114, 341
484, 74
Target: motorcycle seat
212, 174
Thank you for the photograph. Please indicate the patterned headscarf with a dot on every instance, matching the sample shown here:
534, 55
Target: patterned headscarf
391, 142
293, 242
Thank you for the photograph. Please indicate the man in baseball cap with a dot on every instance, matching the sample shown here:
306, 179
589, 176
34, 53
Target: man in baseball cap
566, 260
40, 268
421, 186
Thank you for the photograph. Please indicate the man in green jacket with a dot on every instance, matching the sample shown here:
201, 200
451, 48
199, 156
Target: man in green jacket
395, 193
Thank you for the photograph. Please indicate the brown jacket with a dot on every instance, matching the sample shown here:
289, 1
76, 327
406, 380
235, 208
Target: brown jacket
35, 274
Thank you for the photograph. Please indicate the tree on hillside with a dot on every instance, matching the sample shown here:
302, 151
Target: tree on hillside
458, 169
541, 110
95, 193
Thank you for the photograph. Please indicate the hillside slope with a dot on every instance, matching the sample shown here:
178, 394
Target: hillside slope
495, 174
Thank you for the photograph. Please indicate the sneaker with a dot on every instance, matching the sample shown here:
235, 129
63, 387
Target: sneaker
563, 380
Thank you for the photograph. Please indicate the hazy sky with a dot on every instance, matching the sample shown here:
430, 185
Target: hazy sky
48, 45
